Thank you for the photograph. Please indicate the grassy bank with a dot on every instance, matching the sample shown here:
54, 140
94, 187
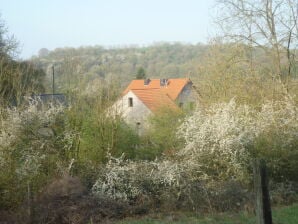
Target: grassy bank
282, 215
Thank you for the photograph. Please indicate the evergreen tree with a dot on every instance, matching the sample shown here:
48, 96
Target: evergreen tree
141, 74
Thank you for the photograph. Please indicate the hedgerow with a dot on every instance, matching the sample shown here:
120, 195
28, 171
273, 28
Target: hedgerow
220, 143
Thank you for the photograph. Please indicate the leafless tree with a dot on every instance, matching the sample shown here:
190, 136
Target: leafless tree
270, 25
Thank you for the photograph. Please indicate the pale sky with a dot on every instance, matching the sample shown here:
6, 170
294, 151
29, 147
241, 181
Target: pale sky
72, 23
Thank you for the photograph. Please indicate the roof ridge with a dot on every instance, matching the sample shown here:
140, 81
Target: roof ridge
173, 89
145, 88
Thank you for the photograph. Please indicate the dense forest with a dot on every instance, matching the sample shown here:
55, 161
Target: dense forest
76, 164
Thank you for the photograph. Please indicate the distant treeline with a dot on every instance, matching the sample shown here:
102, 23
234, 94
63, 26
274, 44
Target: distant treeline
219, 69
85, 64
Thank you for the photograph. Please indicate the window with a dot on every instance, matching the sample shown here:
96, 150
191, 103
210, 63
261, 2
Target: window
180, 105
163, 82
130, 102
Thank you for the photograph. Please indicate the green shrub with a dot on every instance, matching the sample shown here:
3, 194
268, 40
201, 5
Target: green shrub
161, 137
212, 171
33, 143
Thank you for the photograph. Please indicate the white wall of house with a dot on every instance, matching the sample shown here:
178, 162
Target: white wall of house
136, 115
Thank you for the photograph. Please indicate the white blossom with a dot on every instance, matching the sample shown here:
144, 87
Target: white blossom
224, 132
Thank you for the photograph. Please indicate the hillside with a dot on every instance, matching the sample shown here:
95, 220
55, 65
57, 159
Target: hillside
85, 64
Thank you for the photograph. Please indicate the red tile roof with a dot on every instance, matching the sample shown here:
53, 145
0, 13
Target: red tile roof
155, 99
172, 89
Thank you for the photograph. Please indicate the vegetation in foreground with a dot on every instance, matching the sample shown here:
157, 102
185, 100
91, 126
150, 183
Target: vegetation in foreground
281, 215
77, 165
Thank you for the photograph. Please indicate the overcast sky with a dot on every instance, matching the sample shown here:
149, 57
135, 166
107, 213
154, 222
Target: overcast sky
72, 23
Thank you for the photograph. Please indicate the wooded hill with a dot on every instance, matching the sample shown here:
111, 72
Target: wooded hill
219, 70
85, 64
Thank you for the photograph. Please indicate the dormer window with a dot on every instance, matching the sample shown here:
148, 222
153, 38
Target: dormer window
146, 82
130, 102
163, 82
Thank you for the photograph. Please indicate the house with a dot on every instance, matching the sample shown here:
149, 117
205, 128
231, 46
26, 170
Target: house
143, 98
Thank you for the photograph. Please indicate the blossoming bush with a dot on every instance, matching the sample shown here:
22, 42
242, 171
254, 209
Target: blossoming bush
218, 136
167, 184
219, 145
227, 136
32, 141
128, 180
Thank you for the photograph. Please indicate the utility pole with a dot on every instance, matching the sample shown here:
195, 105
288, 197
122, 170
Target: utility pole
53, 81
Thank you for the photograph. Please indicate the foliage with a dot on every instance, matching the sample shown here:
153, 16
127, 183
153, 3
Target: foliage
219, 70
91, 63
16, 78
167, 184
19, 79
97, 131
270, 26
141, 74
219, 145
161, 137
204, 166
128, 180
32, 143
226, 71
227, 136
8, 44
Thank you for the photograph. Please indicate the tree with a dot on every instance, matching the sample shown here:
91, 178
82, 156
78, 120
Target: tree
141, 74
225, 72
270, 25
162, 134
16, 78
43, 52
8, 44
